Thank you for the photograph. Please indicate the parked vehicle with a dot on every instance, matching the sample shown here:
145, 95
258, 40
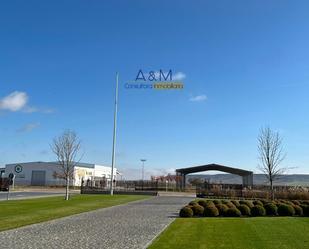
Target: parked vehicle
4, 183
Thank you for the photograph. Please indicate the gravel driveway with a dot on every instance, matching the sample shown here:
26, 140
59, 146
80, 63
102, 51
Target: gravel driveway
132, 225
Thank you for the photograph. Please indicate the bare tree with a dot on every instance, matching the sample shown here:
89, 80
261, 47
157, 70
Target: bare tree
66, 147
271, 155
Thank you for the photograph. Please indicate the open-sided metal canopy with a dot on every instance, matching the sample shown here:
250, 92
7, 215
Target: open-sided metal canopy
247, 176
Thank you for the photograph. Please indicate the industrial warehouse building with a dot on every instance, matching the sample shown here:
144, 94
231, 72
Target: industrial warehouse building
46, 174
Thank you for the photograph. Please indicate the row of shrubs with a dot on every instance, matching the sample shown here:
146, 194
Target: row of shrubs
287, 193
246, 208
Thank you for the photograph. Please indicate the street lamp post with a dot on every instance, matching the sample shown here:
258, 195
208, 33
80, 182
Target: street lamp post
143, 166
114, 137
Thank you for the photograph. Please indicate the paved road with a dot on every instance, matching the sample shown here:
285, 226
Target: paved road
26, 195
132, 225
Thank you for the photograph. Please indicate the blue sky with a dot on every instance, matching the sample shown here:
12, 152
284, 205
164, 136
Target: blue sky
247, 62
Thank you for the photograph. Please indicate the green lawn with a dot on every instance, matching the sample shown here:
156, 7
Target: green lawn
24, 212
232, 233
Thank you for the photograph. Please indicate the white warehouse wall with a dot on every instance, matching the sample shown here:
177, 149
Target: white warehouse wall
23, 173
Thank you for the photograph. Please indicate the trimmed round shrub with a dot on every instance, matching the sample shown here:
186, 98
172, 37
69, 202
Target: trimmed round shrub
211, 211
198, 210
305, 210
298, 210
289, 202
222, 208
257, 202
279, 203
236, 203
192, 203
232, 212
295, 202
203, 203
217, 202
271, 209
209, 202
305, 202
230, 205
244, 209
248, 203
258, 211
186, 212
286, 210
265, 201
225, 201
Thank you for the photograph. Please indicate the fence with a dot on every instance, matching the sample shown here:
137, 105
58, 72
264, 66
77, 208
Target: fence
257, 191
135, 187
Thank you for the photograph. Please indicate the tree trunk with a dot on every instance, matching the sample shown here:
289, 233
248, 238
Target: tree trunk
272, 190
67, 188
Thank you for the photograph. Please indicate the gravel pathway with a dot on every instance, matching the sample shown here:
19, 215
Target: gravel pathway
132, 225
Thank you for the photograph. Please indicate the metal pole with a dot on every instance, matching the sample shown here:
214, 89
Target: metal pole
8, 193
13, 185
114, 136
143, 165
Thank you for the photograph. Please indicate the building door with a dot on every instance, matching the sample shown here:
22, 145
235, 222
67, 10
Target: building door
38, 178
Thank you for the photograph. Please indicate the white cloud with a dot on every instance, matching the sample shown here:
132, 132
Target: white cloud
14, 101
47, 110
179, 76
198, 98
18, 101
32, 109
28, 127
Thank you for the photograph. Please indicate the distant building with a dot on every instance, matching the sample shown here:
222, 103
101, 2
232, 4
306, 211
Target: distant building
46, 174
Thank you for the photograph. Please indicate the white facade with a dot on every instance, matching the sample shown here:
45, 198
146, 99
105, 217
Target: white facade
45, 173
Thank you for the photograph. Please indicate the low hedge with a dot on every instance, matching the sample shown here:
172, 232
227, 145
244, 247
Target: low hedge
186, 212
234, 208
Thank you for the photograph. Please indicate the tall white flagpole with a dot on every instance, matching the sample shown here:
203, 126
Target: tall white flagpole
114, 136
